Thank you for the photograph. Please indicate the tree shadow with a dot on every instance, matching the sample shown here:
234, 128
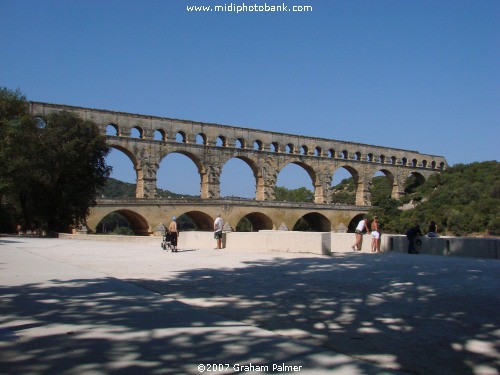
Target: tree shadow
105, 325
410, 313
9, 242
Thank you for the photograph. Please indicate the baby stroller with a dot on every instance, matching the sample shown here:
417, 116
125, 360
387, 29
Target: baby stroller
166, 243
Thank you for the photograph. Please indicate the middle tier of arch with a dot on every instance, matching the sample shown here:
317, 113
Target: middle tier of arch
146, 157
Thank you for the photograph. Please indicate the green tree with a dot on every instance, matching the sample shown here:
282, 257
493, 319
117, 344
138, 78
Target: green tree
54, 168
244, 225
344, 192
294, 195
111, 222
380, 190
118, 189
18, 157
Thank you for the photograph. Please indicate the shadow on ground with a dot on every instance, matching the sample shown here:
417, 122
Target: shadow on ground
400, 311
100, 326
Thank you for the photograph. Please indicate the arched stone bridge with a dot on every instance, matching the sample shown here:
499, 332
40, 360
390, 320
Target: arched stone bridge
210, 146
145, 216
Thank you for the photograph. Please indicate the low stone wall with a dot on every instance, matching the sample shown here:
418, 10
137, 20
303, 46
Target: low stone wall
449, 246
343, 242
324, 243
277, 240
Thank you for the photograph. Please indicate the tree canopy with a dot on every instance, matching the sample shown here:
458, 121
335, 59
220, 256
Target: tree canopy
52, 167
293, 195
114, 188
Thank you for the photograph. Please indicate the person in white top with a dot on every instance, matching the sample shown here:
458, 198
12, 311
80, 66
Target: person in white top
375, 235
218, 225
362, 225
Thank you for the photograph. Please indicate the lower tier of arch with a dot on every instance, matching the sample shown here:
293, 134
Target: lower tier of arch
148, 216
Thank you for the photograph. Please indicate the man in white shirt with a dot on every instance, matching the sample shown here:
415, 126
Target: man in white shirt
218, 225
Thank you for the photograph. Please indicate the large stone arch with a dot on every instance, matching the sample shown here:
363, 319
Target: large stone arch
138, 223
351, 227
194, 158
129, 153
316, 222
203, 221
420, 177
258, 178
258, 221
139, 186
392, 182
361, 186
310, 170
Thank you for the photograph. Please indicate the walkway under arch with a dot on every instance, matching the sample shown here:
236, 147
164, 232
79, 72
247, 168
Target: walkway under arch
258, 221
313, 222
138, 223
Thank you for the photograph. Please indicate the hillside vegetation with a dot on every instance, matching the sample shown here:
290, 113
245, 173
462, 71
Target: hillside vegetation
464, 200
118, 189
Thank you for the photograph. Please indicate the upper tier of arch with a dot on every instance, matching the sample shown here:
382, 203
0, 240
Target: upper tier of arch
147, 139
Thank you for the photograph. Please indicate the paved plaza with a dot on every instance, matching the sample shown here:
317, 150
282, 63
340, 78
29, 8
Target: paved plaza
92, 307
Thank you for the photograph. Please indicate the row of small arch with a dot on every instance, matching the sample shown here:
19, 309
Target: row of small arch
258, 145
316, 222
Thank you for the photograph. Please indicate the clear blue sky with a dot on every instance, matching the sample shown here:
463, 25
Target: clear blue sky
418, 75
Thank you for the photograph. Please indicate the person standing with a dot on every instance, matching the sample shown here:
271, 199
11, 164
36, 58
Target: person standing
375, 235
411, 234
362, 225
218, 225
174, 233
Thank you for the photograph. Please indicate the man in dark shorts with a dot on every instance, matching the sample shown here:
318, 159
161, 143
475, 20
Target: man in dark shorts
218, 226
174, 233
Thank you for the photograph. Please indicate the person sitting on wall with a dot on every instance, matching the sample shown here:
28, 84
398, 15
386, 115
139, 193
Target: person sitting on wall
433, 230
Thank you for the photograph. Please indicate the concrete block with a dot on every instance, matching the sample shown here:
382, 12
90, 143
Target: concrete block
196, 240
474, 247
287, 241
342, 242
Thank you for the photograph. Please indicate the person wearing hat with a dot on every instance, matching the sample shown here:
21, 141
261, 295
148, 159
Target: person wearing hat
174, 233
218, 225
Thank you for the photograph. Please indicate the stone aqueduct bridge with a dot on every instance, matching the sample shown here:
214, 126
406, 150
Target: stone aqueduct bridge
210, 146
